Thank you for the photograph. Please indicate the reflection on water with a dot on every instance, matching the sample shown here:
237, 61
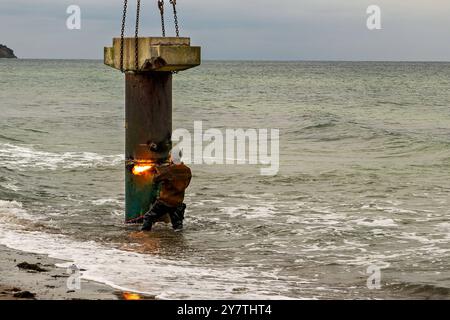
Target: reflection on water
161, 239
131, 296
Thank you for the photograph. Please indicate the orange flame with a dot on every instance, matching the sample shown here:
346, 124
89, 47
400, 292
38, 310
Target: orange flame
131, 296
139, 170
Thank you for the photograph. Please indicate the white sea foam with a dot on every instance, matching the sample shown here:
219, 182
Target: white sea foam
24, 157
393, 210
137, 272
380, 222
250, 212
211, 201
101, 202
414, 236
293, 219
444, 226
10, 186
13, 210
131, 271
12, 205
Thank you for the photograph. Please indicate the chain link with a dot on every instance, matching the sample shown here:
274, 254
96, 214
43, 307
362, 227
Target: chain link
161, 9
175, 15
136, 36
122, 32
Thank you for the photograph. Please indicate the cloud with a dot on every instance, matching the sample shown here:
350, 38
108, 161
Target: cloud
236, 29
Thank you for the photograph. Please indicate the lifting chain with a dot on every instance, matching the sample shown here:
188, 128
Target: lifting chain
136, 33
174, 4
161, 9
136, 36
122, 32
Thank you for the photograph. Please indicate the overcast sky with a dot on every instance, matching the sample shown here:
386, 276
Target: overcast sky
238, 29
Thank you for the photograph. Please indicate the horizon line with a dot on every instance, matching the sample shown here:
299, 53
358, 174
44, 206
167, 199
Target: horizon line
253, 60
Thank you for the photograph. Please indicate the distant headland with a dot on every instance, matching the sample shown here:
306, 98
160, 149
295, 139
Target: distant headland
6, 52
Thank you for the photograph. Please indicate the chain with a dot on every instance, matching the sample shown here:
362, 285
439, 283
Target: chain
122, 33
161, 9
174, 4
136, 36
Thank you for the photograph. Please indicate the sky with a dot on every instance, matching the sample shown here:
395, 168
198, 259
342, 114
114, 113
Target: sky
412, 30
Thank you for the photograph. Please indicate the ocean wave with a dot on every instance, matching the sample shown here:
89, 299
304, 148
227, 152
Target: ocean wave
9, 138
419, 290
20, 158
8, 184
322, 125
167, 279
14, 213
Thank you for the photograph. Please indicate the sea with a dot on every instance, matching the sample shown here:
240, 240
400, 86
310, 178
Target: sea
359, 209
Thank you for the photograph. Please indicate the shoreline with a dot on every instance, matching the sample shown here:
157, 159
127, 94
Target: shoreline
38, 278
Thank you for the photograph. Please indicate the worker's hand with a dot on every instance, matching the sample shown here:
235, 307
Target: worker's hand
154, 170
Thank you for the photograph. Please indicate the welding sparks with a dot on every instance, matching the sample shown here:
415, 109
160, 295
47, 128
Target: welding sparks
141, 169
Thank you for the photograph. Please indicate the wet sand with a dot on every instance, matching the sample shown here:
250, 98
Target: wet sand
39, 278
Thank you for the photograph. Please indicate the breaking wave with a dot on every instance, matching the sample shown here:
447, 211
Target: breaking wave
21, 158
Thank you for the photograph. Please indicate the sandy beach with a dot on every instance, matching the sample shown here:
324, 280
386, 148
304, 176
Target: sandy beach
32, 276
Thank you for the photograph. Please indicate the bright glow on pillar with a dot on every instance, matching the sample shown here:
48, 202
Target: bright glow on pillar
139, 170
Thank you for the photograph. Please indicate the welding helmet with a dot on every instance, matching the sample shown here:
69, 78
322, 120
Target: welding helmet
176, 154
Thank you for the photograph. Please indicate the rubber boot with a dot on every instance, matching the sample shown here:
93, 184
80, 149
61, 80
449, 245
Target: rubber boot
177, 217
149, 219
